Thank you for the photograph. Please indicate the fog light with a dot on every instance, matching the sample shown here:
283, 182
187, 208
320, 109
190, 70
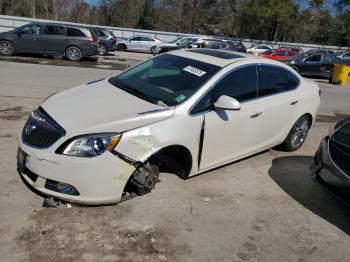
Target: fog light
60, 187
65, 188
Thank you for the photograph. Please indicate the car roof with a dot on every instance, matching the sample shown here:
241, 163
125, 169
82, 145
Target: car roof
60, 24
216, 57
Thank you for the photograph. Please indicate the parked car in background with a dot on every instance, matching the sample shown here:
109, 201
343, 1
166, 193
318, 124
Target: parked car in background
198, 42
344, 55
106, 41
258, 49
277, 54
317, 64
331, 166
73, 42
176, 44
184, 112
320, 51
237, 45
138, 43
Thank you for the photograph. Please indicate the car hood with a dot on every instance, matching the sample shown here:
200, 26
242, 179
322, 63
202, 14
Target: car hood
101, 107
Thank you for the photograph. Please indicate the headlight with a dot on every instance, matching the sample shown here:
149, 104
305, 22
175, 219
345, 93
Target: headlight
91, 145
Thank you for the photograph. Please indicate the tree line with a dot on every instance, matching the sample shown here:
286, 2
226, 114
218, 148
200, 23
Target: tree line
305, 21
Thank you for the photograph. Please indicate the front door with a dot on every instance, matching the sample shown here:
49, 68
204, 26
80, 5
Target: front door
230, 135
27, 39
134, 43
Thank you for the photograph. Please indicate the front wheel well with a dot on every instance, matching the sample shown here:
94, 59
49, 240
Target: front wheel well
173, 159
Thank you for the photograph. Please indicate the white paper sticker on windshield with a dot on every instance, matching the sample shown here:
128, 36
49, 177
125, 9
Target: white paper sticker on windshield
194, 71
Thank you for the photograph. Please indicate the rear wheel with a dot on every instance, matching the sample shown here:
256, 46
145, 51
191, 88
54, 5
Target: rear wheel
73, 53
102, 49
121, 48
296, 69
7, 48
297, 134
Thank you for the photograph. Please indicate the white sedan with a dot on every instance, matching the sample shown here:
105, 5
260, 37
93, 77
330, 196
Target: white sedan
138, 43
258, 49
183, 112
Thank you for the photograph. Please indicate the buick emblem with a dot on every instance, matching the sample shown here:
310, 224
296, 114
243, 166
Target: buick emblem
30, 128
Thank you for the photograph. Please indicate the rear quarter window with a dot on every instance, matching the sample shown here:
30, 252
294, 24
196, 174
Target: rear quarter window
274, 80
75, 32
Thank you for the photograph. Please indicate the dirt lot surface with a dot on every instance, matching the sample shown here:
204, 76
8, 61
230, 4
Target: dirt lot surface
264, 208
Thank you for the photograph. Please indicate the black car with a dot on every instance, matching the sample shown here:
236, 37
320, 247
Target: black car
332, 159
315, 64
73, 42
106, 41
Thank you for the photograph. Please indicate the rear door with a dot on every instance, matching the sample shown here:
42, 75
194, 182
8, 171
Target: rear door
277, 90
27, 38
53, 39
146, 44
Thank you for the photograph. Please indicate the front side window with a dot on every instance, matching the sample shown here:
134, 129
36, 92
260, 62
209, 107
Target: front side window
75, 32
54, 30
241, 84
314, 58
166, 80
146, 39
136, 39
31, 29
280, 53
272, 80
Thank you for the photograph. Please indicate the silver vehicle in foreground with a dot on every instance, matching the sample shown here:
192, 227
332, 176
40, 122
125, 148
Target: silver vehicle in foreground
184, 112
138, 43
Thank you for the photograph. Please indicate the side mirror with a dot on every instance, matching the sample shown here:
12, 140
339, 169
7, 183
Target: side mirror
228, 103
19, 34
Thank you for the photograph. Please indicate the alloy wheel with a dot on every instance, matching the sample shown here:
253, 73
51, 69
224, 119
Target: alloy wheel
6, 48
299, 132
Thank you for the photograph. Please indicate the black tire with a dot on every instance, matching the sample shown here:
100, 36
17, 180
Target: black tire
73, 53
121, 48
295, 68
102, 49
297, 134
7, 48
153, 50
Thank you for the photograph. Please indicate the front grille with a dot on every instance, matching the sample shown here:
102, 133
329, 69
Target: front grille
340, 155
40, 130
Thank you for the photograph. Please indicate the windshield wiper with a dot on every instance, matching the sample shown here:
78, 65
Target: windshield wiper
137, 93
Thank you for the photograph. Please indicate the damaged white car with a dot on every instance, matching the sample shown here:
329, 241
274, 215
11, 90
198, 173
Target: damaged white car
184, 112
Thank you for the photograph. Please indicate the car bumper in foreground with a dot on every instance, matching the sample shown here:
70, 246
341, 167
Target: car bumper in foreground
327, 174
90, 181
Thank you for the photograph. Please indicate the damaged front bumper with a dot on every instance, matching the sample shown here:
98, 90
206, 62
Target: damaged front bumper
90, 181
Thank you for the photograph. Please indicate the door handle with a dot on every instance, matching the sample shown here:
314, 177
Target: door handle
294, 103
256, 114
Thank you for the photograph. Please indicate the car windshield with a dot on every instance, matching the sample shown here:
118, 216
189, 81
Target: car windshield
166, 80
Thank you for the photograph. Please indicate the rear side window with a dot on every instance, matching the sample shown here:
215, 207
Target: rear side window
240, 84
75, 32
54, 30
274, 80
147, 39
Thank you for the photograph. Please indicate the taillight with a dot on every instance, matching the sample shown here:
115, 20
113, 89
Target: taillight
93, 42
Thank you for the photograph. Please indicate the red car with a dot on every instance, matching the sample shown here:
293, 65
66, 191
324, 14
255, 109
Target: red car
277, 54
